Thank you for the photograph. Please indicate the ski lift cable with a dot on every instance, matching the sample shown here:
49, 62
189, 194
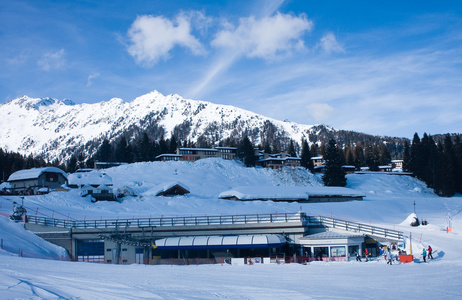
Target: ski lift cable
40, 213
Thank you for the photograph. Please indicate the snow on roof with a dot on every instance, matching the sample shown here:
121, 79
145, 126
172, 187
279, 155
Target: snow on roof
286, 192
34, 173
87, 187
92, 178
164, 187
169, 155
331, 235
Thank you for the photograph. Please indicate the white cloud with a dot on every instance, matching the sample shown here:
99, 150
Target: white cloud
91, 77
320, 111
265, 37
50, 61
152, 38
330, 44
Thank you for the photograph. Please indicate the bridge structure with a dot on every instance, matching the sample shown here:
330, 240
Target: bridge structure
134, 240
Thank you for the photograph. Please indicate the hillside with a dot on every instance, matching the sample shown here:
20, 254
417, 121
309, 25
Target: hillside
54, 129
388, 203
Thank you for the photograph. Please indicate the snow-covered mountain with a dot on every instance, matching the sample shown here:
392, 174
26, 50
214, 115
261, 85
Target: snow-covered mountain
54, 129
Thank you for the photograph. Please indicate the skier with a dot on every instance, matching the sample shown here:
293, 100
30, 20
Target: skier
366, 252
429, 250
389, 258
358, 258
424, 254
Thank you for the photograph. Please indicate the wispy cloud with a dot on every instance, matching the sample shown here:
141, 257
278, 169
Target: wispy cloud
265, 38
53, 60
392, 94
91, 77
330, 44
153, 37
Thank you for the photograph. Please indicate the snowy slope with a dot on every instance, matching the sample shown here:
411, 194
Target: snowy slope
51, 127
389, 202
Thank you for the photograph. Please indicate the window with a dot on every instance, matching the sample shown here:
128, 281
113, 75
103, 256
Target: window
338, 251
51, 177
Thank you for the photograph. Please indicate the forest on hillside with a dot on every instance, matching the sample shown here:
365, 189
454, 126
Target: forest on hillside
436, 160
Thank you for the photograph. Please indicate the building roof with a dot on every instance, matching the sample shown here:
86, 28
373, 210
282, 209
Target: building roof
93, 177
34, 173
162, 188
200, 149
331, 235
221, 242
168, 155
285, 193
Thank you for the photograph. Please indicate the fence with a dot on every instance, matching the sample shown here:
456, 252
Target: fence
356, 227
171, 221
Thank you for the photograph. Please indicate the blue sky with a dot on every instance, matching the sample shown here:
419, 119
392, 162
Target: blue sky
381, 67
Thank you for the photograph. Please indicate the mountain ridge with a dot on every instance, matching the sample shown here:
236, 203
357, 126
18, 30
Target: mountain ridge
55, 129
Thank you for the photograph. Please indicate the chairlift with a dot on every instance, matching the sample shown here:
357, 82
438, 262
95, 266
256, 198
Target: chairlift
18, 211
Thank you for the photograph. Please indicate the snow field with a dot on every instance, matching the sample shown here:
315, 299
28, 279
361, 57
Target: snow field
389, 202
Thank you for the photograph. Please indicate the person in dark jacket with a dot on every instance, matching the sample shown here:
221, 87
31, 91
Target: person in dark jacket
358, 258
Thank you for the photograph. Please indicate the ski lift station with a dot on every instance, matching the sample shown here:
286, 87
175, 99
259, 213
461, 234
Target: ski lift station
253, 238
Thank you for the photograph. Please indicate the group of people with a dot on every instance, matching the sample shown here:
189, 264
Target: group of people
427, 252
366, 253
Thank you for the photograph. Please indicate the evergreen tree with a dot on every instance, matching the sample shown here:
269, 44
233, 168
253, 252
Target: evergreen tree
384, 155
104, 153
314, 149
291, 150
172, 145
322, 150
123, 151
267, 148
371, 154
458, 163
145, 148
449, 188
359, 156
341, 154
163, 146
247, 153
350, 158
406, 157
417, 159
334, 174
72, 164
305, 159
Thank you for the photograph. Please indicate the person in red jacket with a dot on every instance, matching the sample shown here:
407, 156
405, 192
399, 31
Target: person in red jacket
429, 251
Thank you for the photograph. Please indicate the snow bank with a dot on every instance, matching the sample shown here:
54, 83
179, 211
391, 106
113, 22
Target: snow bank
18, 240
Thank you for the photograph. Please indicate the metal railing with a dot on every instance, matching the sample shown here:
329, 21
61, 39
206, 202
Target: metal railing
171, 221
355, 227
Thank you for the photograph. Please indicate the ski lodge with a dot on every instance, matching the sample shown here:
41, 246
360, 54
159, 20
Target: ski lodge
236, 239
37, 180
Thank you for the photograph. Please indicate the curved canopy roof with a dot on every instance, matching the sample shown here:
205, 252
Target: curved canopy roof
221, 242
